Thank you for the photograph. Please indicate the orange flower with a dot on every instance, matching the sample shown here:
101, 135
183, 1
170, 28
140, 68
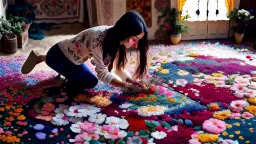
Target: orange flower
142, 95
9, 139
251, 109
20, 135
18, 110
7, 107
214, 107
171, 100
21, 117
10, 118
10, 113
1, 109
16, 114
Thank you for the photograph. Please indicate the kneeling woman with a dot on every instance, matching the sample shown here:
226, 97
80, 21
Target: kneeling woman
106, 45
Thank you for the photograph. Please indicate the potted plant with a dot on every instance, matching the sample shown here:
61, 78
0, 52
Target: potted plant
168, 21
9, 39
241, 17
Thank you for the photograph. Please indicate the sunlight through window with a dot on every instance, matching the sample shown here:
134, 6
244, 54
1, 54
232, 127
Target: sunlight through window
191, 6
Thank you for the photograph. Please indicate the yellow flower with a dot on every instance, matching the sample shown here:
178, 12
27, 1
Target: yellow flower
207, 138
252, 101
164, 61
237, 124
251, 109
231, 136
132, 62
193, 54
237, 132
229, 126
222, 115
151, 110
164, 71
217, 74
171, 100
224, 133
182, 72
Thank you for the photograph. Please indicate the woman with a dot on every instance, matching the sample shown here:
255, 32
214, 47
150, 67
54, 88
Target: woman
106, 45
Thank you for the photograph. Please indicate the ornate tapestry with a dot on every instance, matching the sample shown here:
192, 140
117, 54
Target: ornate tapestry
143, 7
57, 9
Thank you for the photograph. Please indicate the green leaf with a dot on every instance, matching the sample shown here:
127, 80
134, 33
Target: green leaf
94, 142
197, 128
130, 133
111, 142
120, 142
46, 99
156, 123
150, 124
144, 133
165, 124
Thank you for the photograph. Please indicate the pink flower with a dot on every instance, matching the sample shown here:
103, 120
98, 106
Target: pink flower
235, 115
214, 126
239, 95
247, 115
21, 123
8, 123
242, 81
237, 105
60, 100
24, 132
8, 132
238, 88
165, 91
89, 127
1, 130
79, 138
194, 141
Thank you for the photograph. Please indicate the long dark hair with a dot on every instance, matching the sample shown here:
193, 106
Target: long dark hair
130, 24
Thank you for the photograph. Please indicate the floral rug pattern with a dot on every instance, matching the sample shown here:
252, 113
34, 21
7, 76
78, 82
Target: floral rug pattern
194, 93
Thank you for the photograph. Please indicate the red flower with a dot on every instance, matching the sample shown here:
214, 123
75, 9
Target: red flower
144, 140
136, 124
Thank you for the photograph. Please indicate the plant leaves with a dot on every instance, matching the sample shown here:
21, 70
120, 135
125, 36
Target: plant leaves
94, 142
165, 124
130, 133
150, 124
144, 133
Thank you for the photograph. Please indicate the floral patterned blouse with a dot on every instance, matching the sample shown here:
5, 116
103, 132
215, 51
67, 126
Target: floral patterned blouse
88, 44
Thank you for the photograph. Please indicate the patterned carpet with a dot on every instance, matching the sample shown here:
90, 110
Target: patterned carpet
196, 93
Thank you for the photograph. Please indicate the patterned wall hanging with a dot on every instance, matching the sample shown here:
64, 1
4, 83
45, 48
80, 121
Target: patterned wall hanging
56, 9
143, 7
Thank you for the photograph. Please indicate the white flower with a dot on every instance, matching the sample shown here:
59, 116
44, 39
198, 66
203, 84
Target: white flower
74, 111
151, 141
181, 82
125, 105
59, 120
151, 110
158, 134
122, 134
117, 122
76, 127
61, 108
251, 17
97, 118
123, 124
89, 109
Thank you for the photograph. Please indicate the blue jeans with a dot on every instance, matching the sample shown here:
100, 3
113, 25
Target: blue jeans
78, 75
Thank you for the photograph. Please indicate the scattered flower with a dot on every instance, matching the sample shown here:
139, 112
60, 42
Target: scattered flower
59, 120
247, 115
214, 126
235, 116
151, 110
207, 138
158, 134
117, 122
125, 105
181, 82
222, 115
97, 118
38, 127
40, 135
